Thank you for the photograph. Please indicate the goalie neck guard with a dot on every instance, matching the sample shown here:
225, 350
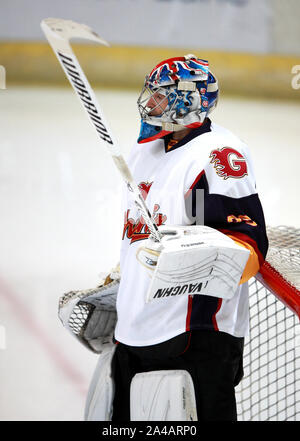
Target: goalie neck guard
182, 92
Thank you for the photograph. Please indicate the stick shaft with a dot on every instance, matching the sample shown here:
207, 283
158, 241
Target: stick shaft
83, 90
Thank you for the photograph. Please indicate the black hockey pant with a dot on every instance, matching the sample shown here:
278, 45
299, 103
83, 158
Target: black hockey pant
213, 359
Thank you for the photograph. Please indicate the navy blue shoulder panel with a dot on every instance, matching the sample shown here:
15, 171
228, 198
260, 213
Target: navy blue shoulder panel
242, 217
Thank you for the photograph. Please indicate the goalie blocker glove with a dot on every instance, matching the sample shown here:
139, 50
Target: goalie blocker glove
192, 260
90, 315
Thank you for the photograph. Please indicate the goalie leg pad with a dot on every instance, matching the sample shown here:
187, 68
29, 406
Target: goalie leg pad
100, 396
166, 395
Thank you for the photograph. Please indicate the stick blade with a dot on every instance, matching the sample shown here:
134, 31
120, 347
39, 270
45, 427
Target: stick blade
68, 29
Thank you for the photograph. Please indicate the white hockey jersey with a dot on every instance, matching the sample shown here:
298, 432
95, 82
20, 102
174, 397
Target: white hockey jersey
215, 161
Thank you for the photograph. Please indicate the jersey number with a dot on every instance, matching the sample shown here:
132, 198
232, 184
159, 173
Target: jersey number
241, 218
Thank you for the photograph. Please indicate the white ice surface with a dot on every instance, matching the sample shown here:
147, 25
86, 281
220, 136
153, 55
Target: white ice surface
61, 225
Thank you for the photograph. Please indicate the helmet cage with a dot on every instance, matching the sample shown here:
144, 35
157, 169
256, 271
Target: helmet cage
174, 106
182, 107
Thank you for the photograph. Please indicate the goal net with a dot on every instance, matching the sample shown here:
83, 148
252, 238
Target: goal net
270, 389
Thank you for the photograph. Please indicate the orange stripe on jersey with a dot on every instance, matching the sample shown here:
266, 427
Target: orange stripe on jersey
252, 265
171, 143
236, 235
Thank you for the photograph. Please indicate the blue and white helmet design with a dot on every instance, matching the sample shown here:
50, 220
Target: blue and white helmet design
191, 93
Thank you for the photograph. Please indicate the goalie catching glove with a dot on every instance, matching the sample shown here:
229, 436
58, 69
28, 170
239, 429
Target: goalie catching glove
192, 260
90, 315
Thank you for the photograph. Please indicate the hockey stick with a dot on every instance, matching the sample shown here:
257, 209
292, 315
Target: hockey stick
58, 33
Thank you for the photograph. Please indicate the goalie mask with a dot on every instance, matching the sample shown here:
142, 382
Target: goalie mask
179, 92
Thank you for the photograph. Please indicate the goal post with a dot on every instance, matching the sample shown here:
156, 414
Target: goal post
280, 273
270, 389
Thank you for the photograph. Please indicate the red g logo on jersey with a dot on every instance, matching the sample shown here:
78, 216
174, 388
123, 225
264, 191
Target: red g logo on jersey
229, 163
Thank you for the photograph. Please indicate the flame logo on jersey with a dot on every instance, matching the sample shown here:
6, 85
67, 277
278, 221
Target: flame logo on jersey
144, 188
228, 163
137, 229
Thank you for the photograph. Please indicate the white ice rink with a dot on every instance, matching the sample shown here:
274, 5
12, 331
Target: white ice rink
61, 223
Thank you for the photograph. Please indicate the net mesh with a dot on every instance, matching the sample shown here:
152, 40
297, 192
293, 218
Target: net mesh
284, 252
269, 390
